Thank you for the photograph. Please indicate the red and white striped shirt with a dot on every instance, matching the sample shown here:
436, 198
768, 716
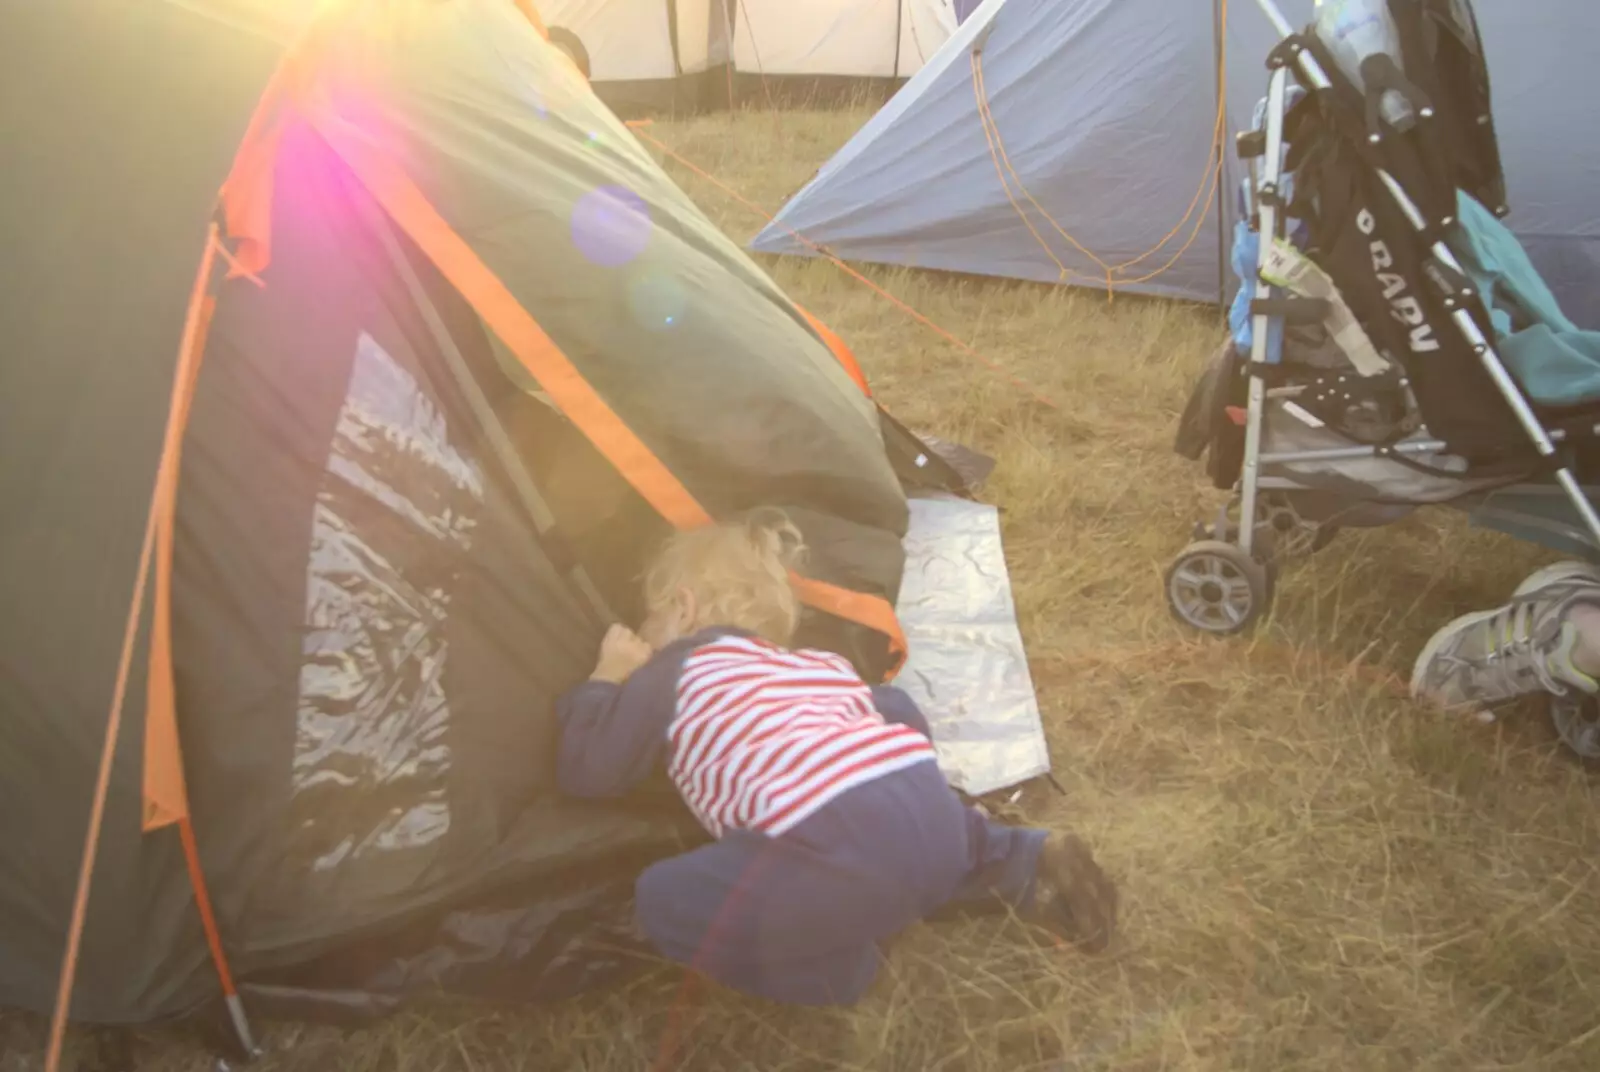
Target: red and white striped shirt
764, 737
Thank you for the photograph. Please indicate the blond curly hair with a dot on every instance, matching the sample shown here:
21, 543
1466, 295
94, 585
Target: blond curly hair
737, 573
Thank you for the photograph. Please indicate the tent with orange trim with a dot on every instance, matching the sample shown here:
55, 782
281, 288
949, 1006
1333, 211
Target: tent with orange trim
356, 356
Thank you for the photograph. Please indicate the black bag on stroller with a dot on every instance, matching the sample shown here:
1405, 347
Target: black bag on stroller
1401, 294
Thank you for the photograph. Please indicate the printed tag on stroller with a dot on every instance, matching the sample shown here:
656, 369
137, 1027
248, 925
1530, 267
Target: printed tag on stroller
1285, 266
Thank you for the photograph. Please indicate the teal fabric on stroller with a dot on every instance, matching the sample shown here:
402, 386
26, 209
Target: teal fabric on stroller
1557, 363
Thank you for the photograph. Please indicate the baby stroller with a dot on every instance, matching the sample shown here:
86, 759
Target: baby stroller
1364, 376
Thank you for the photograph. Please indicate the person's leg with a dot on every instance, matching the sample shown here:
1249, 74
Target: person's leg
1002, 860
763, 916
1051, 879
1546, 639
1584, 615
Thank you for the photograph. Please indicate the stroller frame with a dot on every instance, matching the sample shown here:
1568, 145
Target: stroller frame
1222, 583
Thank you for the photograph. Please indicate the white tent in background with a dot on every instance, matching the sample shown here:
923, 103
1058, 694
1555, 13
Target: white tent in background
1105, 110
852, 39
648, 54
675, 55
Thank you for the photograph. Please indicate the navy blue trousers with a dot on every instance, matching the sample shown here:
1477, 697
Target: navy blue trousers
800, 918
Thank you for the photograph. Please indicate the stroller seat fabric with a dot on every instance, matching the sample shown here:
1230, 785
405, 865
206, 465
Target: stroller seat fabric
1556, 362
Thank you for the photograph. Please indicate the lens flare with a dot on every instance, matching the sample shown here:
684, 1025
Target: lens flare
657, 300
610, 226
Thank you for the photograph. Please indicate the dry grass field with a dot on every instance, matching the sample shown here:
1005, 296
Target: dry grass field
1316, 875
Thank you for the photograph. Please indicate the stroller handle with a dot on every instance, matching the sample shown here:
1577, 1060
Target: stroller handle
1279, 23
1309, 68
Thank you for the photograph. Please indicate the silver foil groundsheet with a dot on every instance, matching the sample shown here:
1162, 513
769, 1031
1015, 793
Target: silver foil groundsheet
967, 668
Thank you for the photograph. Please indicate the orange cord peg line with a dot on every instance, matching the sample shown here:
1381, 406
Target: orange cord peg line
1203, 193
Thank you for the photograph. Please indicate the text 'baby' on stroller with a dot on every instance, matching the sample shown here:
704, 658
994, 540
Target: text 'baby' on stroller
1392, 345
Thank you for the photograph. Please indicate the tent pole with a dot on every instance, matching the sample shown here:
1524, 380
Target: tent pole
729, 19
539, 512
899, 31
672, 39
1219, 30
231, 1000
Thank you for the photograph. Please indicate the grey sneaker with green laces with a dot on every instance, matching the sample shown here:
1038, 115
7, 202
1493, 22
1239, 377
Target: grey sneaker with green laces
1487, 658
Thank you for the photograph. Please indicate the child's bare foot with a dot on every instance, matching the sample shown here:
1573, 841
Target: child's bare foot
1072, 896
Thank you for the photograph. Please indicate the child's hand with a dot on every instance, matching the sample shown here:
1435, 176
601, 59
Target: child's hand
621, 653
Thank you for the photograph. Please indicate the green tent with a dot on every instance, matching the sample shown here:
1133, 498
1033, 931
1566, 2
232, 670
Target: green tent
374, 444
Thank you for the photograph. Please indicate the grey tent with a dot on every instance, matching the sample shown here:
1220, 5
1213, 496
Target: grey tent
446, 356
1103, 114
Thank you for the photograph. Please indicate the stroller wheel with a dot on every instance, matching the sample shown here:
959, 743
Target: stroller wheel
1577, 722
1217, 588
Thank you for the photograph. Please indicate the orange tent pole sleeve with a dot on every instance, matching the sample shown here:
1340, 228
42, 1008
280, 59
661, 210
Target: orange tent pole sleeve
165, 794
874, 612
246, 195
532, 14
841, 352
166, 799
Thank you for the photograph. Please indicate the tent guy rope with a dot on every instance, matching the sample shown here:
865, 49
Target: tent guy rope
1203, 193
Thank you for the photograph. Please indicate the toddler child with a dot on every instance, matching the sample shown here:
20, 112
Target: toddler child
835, 828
